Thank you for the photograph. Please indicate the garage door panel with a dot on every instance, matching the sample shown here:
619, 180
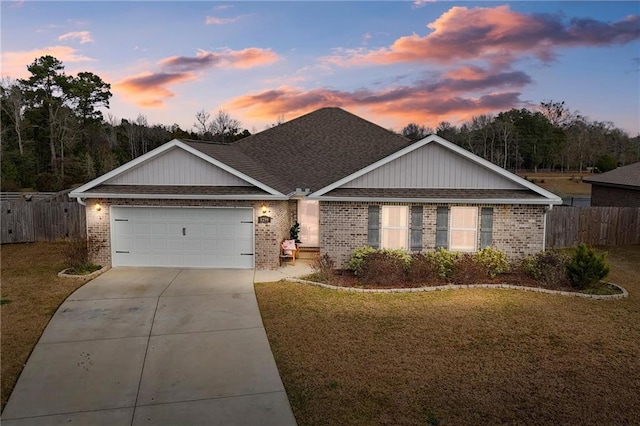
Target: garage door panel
187, 237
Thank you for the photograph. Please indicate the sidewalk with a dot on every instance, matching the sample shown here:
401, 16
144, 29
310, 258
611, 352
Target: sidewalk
287, 270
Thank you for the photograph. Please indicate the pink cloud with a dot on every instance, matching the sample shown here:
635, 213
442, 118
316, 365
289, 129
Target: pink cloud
14, 64
495, 34
245, 58
456, 95
150, 90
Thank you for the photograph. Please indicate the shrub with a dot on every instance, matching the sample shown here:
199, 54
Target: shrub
383, 267
467, 270
493, 260
586, 267
324, 267
358, 257
548, 267
401, 254
423, 268
78, 254
444, 260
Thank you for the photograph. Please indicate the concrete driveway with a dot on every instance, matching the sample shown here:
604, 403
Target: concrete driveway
154, 346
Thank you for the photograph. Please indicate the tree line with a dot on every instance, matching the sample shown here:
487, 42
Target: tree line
550, 137
54, 134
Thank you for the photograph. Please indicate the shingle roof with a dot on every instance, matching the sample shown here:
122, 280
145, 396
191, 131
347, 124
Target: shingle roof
623, 176
311, 151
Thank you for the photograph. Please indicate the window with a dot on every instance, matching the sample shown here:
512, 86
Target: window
463, 232
394, 227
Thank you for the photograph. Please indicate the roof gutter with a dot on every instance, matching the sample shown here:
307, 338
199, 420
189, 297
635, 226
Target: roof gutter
82, 196
538, 201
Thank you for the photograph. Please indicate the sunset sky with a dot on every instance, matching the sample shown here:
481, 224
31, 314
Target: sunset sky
390, 62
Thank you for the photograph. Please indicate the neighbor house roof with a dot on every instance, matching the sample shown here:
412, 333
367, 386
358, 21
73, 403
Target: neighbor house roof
626, 176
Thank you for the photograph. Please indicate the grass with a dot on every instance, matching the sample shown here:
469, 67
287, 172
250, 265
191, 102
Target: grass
30, 283
458, 357
563, 184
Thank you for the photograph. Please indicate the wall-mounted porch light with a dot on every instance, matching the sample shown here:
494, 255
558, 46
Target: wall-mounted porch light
98, 207
263, 209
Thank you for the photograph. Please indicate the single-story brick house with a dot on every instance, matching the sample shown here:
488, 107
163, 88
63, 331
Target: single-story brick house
616, 188
346, 180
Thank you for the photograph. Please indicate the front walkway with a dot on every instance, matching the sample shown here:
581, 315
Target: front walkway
287, 270
154, 346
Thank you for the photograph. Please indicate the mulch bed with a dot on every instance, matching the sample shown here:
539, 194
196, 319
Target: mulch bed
346, 278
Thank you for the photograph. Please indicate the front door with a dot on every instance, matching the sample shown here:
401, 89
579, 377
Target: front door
309, 219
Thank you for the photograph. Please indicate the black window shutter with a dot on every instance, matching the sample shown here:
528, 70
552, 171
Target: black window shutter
416, 228
486, 227
442, 227
374, 226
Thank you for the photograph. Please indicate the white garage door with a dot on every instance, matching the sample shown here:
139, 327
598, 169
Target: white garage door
182, 237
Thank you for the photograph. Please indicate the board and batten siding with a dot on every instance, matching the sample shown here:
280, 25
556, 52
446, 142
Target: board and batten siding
177, 167
432, 166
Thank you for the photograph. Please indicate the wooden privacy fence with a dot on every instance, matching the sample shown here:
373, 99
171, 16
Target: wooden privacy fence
24, 222
594, 226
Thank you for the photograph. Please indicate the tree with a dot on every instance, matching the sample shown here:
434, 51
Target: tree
557, 113
13, 104
48, 88
504, 130
415, 131
88, 93
223, 127
202, 123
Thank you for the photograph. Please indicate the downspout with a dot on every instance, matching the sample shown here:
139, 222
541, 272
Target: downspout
544, 226
81, 202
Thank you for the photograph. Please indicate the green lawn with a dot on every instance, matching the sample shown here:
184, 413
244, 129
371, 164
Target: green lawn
479, 356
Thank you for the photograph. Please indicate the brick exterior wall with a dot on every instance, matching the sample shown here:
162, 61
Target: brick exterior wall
518, 230
607, 196
267, 236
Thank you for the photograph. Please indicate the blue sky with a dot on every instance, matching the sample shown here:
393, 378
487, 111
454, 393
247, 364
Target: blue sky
390, 62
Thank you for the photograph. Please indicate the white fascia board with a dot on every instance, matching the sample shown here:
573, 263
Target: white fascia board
536, 201
182, 196
80, 191
552, 198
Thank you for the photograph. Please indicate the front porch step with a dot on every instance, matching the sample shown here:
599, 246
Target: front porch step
307, 253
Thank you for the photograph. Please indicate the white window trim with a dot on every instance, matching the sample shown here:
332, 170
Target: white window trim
405, 228
474, 229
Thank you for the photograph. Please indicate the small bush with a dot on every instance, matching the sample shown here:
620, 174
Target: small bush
401, 254
493, 260
358, 257
467, 270
444, 260
423, 268
383, 267
324, 267
78, 254
586, 267
548, 267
